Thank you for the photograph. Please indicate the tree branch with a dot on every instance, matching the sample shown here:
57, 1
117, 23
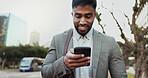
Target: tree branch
144, 24
99, 20
145, 31
102, 27
133, 25
127, 43
137, 10
122, 34
141, 5
120, 43
127, 19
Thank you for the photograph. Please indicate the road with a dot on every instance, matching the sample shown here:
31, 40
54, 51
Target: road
17, 74
36, 74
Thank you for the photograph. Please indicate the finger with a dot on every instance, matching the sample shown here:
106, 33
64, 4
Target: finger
79, 64
70, 55
79, 60
75, 56
74, 67
72, 51
83, 59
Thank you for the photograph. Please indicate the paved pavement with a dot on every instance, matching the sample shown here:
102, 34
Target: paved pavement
16, 74
36, 74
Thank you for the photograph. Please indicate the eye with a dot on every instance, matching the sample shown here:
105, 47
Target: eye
88, 16
78, 16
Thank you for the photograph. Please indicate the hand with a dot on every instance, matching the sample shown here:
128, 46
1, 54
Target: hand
73, 61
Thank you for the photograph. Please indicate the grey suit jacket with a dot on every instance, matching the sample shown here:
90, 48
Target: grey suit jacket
106, 56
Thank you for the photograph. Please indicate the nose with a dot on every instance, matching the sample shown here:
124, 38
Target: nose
83, 21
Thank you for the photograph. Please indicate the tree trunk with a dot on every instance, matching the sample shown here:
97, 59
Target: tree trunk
142, 61
141, 67
3, 63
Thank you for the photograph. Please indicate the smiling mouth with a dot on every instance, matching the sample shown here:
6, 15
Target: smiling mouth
82, 28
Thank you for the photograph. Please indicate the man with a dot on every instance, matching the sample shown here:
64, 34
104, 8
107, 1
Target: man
105, 53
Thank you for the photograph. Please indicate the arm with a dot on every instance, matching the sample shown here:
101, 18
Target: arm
53, 67
116, 64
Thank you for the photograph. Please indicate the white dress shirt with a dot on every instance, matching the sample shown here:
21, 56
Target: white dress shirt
86, 41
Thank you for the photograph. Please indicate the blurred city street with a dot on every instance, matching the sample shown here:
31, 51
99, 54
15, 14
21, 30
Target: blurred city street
17, 74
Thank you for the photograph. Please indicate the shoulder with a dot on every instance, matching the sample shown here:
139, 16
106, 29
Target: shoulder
62, 35
107, 42
104, 36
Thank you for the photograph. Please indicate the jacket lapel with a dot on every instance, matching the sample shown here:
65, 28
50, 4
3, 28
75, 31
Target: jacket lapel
70, 45
96, 51
71, 41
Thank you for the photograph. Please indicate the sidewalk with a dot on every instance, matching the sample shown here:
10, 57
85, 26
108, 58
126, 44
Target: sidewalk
16, 74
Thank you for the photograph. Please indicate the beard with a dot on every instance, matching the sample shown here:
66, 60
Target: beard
83, 32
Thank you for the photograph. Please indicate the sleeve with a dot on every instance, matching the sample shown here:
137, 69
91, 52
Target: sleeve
116, 64
53, 67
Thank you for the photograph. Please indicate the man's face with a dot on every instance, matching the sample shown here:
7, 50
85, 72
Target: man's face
83, 17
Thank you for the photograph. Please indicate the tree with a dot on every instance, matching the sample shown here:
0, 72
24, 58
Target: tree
14, 54
140, 46
2, 54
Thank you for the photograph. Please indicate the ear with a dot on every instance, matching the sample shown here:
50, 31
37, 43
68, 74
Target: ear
72, 13
95, 14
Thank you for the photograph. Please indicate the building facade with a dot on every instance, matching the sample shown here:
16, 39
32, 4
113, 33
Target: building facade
34, 38
13, 30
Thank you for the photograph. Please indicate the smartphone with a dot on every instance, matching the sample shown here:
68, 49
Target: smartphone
83, 50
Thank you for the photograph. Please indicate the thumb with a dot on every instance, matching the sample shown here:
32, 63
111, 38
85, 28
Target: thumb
72, 51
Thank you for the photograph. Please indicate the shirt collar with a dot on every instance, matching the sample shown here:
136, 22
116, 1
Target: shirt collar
78, 36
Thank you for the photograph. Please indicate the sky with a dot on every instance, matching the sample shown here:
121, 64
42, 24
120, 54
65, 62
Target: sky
50, 17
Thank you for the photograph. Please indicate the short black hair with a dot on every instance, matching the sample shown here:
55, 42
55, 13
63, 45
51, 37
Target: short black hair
84, 3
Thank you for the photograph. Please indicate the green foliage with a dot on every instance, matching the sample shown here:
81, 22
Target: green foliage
98, 17
2, 49
13, 53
